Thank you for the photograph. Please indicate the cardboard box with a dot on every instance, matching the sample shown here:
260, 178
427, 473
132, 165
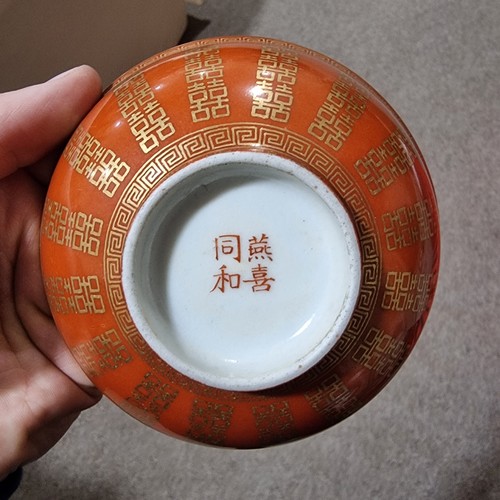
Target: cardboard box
41, 38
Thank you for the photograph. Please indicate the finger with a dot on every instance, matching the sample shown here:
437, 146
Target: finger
36, 119
43, 169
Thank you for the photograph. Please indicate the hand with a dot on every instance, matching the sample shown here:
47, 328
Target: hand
42, 389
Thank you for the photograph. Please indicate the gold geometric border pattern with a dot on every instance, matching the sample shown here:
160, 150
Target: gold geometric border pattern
243, 136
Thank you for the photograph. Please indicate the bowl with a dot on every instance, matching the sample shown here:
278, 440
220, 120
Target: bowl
240, 242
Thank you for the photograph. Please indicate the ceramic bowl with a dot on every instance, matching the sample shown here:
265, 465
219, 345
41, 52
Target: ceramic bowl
240, 242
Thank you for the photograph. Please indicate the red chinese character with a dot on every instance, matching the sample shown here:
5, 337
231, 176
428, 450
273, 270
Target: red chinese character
228, 245
226, 280
259, 248
260, 279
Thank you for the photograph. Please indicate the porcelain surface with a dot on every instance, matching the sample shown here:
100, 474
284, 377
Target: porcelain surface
240, 243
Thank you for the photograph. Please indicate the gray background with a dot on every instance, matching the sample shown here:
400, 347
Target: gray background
434, 431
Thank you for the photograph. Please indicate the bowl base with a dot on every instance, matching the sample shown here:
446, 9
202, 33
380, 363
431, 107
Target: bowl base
242, 270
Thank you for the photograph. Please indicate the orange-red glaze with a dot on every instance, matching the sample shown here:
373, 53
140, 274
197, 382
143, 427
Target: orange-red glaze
376, 168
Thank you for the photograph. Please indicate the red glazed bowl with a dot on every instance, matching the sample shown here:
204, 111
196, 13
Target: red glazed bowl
240, 242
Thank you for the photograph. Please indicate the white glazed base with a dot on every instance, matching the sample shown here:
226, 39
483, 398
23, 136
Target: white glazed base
242, 270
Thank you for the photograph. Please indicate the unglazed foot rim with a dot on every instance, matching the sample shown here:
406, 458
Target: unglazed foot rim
242, 270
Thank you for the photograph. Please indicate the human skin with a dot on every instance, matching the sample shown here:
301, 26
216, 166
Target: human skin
42, 389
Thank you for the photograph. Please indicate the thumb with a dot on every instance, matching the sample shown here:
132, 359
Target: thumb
36, 119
